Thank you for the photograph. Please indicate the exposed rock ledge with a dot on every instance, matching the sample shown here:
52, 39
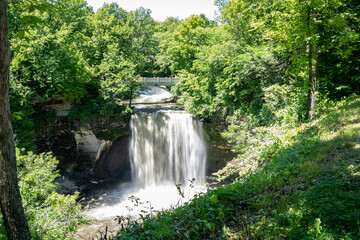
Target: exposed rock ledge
94, 149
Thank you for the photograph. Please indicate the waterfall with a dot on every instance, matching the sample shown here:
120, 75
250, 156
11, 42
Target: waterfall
167, 147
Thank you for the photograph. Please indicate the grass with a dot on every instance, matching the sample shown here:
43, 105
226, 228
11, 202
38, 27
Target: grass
300, 182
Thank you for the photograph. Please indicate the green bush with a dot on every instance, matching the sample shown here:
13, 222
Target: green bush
96, 107
22, 108
50, 215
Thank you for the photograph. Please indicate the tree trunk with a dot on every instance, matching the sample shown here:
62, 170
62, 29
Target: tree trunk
131, 96
313, 89
10, 199
312, 78
312, 84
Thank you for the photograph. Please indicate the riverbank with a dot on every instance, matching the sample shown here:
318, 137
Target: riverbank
302, 184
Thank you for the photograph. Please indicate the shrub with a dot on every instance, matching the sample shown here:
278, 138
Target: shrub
50, 215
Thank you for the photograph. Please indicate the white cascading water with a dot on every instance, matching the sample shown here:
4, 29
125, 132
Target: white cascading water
167, 148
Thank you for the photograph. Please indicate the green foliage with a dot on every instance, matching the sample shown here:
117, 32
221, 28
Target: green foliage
22, 109
62, 51
47, 59
51, 68
223, 85
95, 108
307, 33
180, 42
122, 38
205, 217
282, 105
50, 215
120, 80
37, 174
192, 92
76, 48
164, 33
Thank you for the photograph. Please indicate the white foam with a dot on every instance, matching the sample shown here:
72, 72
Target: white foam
146, 201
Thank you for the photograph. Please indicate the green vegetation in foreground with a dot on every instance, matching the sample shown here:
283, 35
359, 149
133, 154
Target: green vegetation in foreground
50, 215
305, 185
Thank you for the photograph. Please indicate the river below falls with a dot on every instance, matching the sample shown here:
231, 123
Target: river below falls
168, 155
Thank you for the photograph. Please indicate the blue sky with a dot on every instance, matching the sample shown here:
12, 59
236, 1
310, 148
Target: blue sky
161, 9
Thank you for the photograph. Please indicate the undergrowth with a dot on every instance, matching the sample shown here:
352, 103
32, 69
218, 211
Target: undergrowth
294, 182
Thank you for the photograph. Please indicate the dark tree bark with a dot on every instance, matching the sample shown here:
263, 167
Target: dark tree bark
312, 84
10, 198
312, 79
313, 89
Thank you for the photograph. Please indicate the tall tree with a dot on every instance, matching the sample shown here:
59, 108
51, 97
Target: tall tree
301, 27
302, 30
10, 198
186, 42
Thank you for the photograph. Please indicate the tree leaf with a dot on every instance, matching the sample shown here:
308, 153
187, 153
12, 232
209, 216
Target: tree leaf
21, 33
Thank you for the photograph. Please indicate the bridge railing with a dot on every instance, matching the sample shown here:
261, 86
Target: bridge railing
159, 81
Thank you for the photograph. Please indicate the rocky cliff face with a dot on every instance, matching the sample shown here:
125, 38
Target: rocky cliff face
97, 148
